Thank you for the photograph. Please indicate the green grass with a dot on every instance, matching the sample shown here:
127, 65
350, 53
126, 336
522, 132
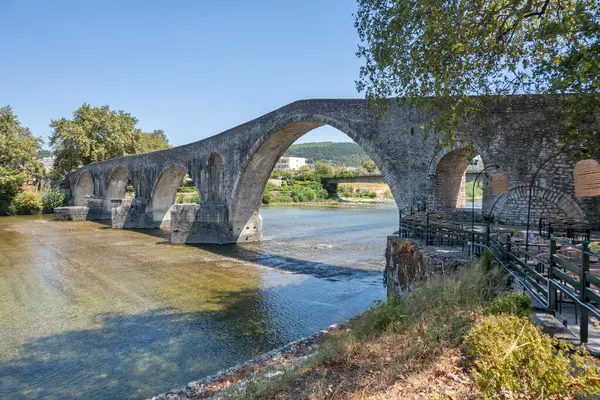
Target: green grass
478, 190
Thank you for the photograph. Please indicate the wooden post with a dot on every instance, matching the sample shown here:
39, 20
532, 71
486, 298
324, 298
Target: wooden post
585, 269
551, 287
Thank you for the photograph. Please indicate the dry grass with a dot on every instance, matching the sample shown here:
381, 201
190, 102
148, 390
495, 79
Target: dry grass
390, 366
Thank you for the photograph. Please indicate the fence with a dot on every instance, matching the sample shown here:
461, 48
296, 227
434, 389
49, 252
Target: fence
553, 272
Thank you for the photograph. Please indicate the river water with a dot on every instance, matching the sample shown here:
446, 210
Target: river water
91, 312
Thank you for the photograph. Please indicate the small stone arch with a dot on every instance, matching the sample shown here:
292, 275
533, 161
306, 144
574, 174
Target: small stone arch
116, 186
84, 189
216, 178
512, 207
446, 176
164, 193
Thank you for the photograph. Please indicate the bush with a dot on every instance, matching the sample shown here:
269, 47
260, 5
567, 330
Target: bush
486, 260
514, 360
303, 194
518, 304
7, 192
267, 198
51, 199
26, 203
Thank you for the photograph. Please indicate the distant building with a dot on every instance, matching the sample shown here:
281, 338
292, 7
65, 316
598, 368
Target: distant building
290, 163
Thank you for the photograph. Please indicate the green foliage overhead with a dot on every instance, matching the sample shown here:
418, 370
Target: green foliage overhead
97, 134
344, 153
450, 50
18, 150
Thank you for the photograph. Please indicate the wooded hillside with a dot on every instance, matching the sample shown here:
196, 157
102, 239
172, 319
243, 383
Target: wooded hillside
344, 153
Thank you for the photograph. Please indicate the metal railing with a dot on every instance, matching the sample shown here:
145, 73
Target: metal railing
560, 269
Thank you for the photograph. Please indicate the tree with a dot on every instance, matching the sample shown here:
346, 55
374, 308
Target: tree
370, 166
153, 141
44, 153
18, 161
324, 169
450, 50
94, 134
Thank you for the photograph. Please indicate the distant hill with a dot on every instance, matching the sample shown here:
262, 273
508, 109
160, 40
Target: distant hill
343, 153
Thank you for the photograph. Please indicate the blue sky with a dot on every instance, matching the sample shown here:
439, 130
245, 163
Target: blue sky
191, 68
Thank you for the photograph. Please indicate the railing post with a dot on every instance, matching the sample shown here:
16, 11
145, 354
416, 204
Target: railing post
508, 249
487, 235
427, 231
551, 288
585, 269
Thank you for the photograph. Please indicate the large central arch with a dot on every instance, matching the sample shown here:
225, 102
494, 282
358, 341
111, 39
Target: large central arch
266, 152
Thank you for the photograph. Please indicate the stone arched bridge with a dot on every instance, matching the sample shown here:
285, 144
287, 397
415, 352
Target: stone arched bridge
231, 169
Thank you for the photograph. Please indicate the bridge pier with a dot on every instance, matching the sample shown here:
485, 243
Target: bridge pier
208, 222
132, 214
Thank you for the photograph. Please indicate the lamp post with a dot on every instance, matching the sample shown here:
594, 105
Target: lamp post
577, 148
473, 201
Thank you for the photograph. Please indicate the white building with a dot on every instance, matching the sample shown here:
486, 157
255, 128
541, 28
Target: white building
290, 163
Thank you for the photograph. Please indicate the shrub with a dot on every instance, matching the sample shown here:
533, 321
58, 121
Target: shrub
514, 360
303, 194
518, 304
51, 199
7, 192
27, 203
267, 198
486, 260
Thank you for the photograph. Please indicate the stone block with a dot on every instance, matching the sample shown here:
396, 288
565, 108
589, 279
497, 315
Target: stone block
71, 213
200, 223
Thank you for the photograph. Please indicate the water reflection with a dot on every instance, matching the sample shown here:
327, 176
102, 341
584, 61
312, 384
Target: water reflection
90, 312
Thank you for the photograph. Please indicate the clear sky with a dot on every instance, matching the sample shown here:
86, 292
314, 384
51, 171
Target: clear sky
192, 68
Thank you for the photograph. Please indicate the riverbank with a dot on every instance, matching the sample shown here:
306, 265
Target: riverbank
341, 203
234, 380
457, 337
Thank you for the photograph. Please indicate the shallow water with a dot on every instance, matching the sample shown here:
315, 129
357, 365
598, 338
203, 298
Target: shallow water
95, 313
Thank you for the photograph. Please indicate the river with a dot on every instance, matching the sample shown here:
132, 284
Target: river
91, 312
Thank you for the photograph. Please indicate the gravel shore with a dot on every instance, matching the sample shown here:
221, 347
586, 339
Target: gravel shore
266, 366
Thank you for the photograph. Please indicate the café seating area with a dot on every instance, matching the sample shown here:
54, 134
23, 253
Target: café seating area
563, 227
